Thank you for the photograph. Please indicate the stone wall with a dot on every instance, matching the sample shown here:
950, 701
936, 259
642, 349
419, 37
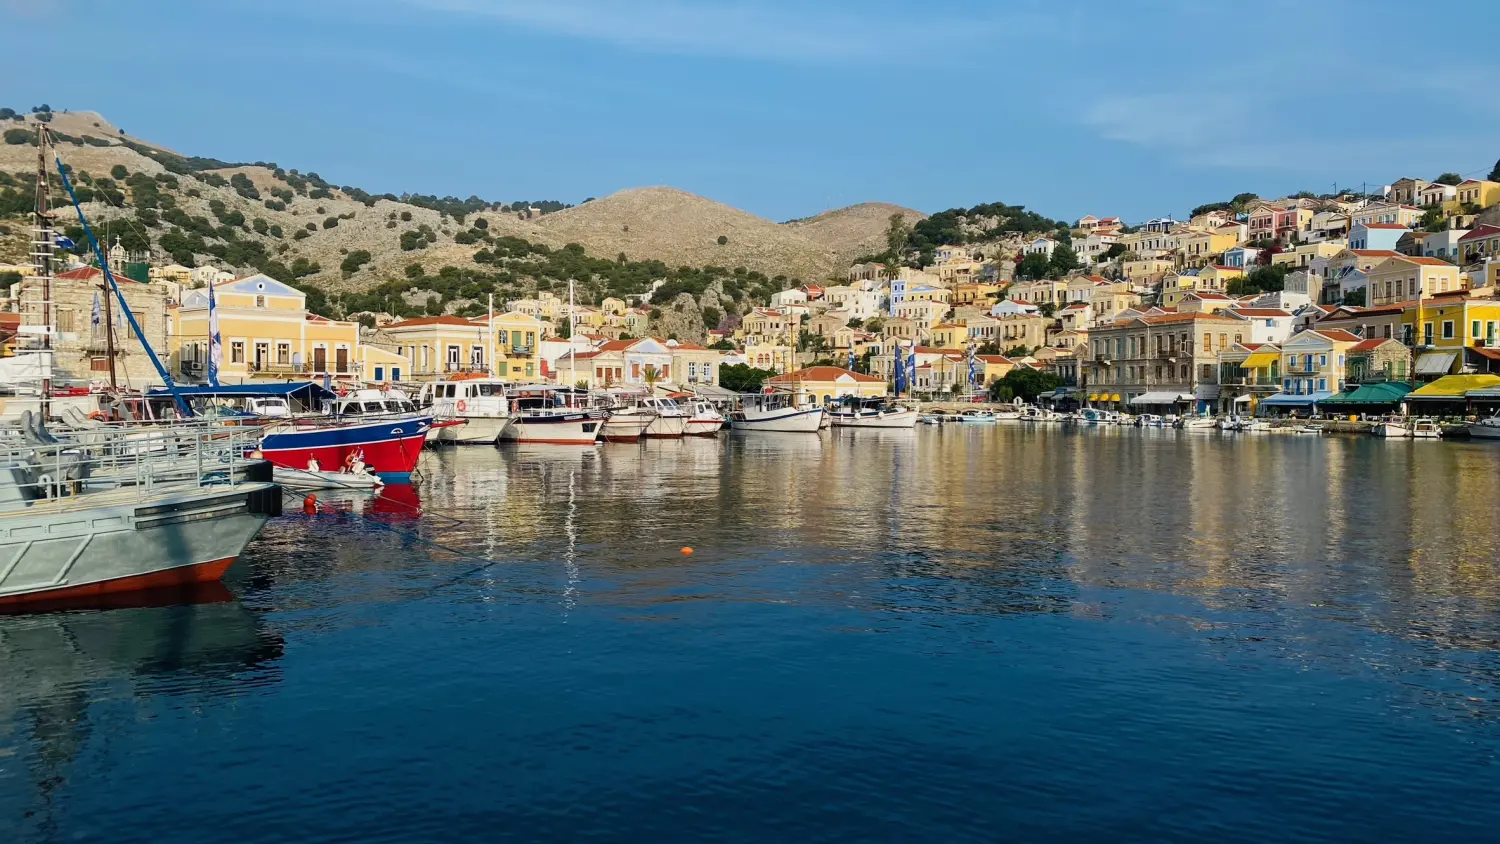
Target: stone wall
80, 347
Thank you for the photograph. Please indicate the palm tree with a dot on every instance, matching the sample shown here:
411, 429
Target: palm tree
651, 375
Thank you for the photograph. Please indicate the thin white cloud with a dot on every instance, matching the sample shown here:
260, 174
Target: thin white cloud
738, 29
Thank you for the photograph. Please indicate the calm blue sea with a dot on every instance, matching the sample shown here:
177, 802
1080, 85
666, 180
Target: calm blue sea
957, 634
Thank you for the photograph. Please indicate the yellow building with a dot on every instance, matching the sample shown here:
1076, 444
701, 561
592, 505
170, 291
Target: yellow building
1199, 248
974, 293
948, 335
439, 346
823, 383
1303, 255
1404, 277
1450, 325
1481, 193
265, 331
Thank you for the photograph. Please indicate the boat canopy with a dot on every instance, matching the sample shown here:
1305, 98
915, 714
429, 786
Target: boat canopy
1296, 399
1383, 393
305, 391
1454, 387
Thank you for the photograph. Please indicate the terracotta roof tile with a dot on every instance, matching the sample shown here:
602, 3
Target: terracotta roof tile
822, 373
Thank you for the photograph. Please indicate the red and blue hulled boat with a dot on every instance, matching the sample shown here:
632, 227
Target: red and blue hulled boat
319, 430
383, 431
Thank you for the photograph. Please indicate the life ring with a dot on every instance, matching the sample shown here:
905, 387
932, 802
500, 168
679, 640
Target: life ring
462, 405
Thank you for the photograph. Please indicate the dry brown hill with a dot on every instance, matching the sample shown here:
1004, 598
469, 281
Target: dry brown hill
682, 229
660, 223
854, 231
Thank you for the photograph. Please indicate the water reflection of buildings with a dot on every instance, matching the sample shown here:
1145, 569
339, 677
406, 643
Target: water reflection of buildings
58, 667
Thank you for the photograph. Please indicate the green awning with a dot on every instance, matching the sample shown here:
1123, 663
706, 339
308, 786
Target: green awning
1385, 392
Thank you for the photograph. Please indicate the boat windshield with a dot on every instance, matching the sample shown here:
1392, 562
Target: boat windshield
490, 390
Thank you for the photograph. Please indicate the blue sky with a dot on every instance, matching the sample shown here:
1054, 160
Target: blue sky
788, 107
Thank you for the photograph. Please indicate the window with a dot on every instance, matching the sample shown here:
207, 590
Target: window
1223, 340
260, 301
1184, 374
1322, 361
1387, 331
476, 356
453, 357
395, 373
379, 373
1447, 329
1207, 373
1286, 385
1427, 334
1474, 329
1322, 384
237, 351
65, 321
1208, 343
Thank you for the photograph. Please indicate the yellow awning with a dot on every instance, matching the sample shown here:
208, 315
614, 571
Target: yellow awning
1115, 397
1454, 386
1260, 359
1093, 396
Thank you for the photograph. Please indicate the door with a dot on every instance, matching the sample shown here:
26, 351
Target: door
341, 360
320, 359
262, 355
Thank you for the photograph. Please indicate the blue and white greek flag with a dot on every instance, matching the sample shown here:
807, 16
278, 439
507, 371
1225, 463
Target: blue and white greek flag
96, 318
911, 369
63, 242
973, 369
851, 358
215, 342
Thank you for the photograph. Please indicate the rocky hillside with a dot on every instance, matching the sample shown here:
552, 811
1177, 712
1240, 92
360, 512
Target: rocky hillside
342, 239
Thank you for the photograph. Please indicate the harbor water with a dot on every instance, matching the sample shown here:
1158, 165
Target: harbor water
965, 633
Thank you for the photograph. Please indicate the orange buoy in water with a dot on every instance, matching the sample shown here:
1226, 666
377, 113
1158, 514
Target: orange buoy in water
310, 505
687, 552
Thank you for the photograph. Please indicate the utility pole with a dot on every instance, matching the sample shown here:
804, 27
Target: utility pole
42, 256
109, 333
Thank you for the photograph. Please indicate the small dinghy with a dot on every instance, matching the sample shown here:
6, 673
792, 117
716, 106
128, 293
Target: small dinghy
356, 475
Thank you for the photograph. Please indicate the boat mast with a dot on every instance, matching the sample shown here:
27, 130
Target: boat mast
572, 347
109, 334
42, 257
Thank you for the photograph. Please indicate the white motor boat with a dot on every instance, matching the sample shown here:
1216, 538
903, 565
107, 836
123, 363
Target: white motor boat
1150, 420
627, 424
776, 413
1392, 427
1092, 416
1199, 423
1486, 429
481, 403
1426, 429
976, 417
872, 413
704, 420
671, 418
544, 413
1255, 426
1007, 413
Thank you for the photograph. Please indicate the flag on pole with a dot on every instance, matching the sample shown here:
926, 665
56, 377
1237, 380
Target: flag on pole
900, 372
973, 369
63, 242
911, 369
215, 343
95, 319
851, 358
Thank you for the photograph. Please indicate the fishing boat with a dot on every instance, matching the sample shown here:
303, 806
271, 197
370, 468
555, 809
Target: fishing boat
80, 521
1394, 426
704, 420
543, 413
934, 417
1007, 413
1198, 423
1255, 426
671, 418
1485, 429
871, 413
384, 432
777, 412
976, 417
480, 403
1426, 429
626, 423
